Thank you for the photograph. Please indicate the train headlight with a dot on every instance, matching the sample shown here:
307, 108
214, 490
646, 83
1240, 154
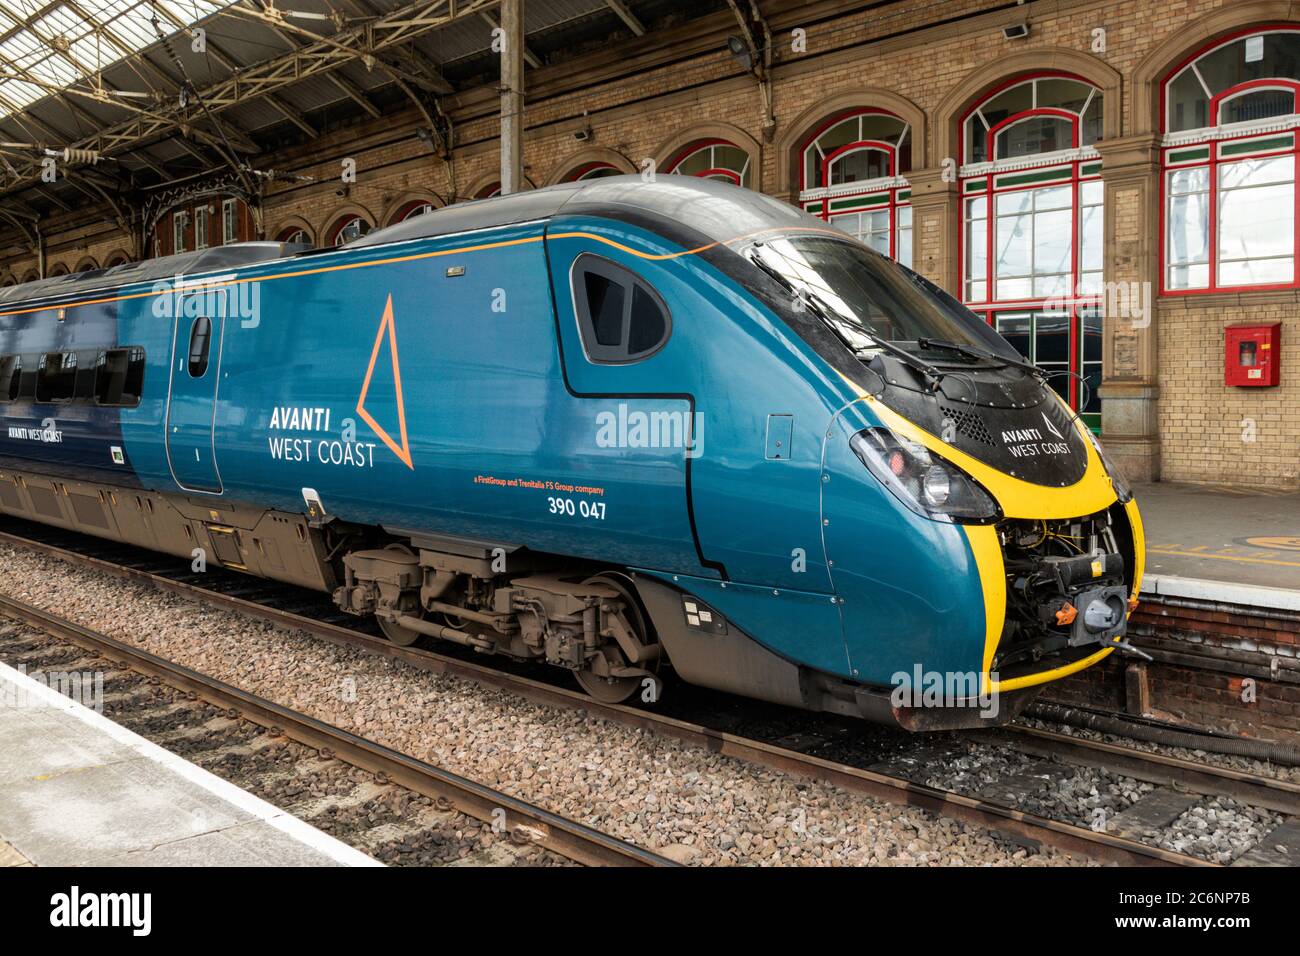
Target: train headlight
1117, 478
936, 487
929, 485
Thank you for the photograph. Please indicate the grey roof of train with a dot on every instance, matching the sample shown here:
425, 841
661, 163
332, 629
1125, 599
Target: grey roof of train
150, 270
717, 210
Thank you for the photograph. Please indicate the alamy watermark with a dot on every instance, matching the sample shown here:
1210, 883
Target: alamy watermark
1130, 301
84, 687
634, 428
944, 689
213, 298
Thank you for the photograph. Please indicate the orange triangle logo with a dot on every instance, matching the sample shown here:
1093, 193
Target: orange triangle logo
387, 328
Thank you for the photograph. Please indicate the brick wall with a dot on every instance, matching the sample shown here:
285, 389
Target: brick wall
1191, 698
1204, 657
1213, 432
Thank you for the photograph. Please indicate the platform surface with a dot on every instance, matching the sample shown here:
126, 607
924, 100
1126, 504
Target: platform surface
1221, 535
78, 789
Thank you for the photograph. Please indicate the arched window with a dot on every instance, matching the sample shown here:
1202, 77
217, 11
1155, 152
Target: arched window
1031, 235
488, 191
853, 174
1229, 165
348, 228
292, 234
597, 170
416, 207
712, 159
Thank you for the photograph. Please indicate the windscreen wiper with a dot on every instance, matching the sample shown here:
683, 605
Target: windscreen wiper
804, 296
979, 353
824, 312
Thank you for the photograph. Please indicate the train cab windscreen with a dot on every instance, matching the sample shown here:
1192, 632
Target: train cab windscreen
868, 298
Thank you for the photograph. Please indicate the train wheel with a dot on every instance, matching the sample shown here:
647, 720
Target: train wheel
609, 689
397, 634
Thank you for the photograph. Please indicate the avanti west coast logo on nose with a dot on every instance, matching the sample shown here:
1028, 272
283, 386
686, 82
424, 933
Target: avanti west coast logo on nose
1030, 442
75, 909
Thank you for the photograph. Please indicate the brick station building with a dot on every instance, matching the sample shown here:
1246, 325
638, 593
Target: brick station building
1111, 188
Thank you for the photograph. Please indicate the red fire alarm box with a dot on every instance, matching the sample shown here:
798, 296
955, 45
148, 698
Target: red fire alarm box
1253, 354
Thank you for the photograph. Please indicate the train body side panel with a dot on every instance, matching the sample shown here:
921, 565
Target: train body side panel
758, 411
908, 585
410, 397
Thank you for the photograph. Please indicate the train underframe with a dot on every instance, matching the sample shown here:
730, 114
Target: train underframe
617, 631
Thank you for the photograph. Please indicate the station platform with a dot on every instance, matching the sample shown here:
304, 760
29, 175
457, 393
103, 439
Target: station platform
1222, 544
77, 789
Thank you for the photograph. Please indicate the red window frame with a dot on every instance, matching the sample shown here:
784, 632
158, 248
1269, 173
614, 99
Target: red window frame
406, 209
288, 232
991, 137
834, 120
1232, 92
862, 144
1072, 301
1214, 162
1007, 84
894, 203
1212, 45
337, 229
686, 152
990, 306
577, 173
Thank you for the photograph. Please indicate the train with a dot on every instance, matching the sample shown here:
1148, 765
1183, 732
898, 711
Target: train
637, 428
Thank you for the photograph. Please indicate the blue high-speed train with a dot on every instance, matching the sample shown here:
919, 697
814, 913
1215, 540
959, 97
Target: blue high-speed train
623, 427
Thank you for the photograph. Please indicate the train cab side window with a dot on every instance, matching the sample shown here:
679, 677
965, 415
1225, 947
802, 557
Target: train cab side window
200, 342
11, 377
56, 378
620, 317
119, 377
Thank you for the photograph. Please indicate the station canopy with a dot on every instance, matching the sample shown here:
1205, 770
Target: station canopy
133, 95
47, 47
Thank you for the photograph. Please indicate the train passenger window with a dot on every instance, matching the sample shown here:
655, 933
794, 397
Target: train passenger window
119, 377
11, 377
56, 378
620, 317
200, 340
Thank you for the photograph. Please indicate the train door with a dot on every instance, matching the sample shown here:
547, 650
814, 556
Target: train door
634, 421
192, 399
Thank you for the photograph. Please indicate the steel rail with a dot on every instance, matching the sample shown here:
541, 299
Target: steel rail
1029, 829
1267, 792
523, 821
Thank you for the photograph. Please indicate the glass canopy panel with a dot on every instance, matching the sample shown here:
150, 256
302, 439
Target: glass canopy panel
50, 46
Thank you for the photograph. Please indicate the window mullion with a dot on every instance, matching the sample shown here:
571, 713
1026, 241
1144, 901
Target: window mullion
625, 341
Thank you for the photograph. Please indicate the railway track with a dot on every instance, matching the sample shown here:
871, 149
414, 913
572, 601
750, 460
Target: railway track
524, 822
310, 612
1267, 792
